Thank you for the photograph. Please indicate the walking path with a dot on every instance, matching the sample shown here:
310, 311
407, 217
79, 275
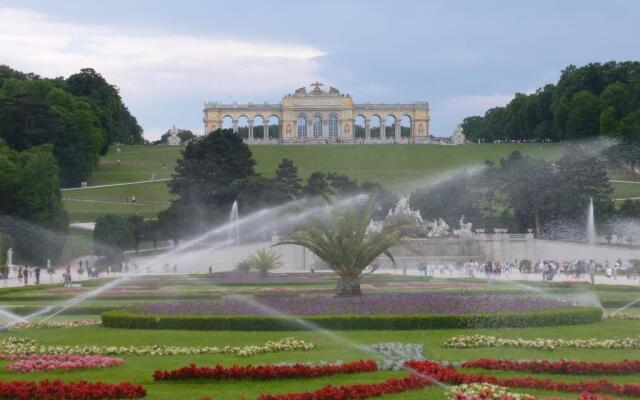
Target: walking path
112, 202
117, 184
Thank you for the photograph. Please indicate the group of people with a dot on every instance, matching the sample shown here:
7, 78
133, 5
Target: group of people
26, 272
546, 269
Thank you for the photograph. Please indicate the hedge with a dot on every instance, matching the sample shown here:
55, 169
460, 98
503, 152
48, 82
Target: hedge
564, 316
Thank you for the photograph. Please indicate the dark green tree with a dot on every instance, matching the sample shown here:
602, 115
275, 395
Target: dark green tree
287, 176
113, 234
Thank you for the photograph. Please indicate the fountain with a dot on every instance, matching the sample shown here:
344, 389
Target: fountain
591, 228
234, 228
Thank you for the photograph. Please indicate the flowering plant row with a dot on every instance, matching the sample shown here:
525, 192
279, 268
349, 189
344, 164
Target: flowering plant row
624, 367
58, 390
12, 345
265, 372
67, 362
356, 391
622, 315
469, 341
448, 374
56, 324
483, 391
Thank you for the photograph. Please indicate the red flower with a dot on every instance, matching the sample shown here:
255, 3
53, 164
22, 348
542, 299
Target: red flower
265, 372
58, 390
624, 367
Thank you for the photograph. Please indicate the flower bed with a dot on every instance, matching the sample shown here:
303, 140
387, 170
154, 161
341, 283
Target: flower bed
470, 341
563, 316
58, 390
357, 391
369, 304
482, 391
55, 324
265, 372
622, 315
66, 362
449, 375
568, 367
11, 346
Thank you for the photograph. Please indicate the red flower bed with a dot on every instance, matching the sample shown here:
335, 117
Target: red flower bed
359, 391
265, 372
450, 375
624, 367
58, 390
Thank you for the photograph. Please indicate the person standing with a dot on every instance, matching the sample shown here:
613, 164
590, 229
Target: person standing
36, 272
25, 275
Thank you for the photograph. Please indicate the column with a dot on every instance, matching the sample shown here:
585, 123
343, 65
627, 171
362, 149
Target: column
397, 133
250, 131
367, 132
235, 125
383, 129
265, 130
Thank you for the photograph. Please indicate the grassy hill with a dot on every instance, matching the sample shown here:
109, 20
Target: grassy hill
399, 167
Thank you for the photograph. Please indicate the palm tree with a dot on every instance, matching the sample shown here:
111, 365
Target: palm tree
342, 241
265, 260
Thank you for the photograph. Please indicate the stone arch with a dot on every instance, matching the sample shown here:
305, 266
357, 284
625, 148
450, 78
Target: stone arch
405, 126
302, 122
359, 126
258, 127
274, 126
226, 122
390, 126
316, 125
243, 126
374, 126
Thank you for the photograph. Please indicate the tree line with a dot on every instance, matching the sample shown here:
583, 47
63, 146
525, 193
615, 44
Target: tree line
592, 100
80, 116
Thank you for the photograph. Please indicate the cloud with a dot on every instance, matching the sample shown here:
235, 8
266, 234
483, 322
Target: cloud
151, 67
475, 104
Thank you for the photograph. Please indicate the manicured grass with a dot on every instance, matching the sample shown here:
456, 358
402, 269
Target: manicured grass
330, 347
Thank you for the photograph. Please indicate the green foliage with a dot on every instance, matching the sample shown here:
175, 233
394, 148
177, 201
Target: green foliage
287, 175
264, 260
80, 117
564, 316
31, 210
585, 102
245, 265
340, 239
113, 234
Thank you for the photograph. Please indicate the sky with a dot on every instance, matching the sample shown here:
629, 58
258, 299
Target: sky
463, 57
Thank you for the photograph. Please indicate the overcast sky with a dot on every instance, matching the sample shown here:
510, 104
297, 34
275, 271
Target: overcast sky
461, 56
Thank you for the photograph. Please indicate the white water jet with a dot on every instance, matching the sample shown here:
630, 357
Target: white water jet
591, 226
234, 230
15, 318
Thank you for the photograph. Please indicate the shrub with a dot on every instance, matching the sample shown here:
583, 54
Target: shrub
563, 316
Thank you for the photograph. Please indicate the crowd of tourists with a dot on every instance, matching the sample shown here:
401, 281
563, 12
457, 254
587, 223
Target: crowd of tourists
547, 270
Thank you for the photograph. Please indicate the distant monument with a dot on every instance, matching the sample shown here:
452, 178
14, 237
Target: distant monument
458, 136
10, 257
173, 139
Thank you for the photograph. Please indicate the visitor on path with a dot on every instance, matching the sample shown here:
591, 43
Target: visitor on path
608, 272
175, 268
20, 274
37, 275
109, 270
25, 275
210, 270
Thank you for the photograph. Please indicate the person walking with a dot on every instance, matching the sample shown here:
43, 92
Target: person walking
25, 275
36, 272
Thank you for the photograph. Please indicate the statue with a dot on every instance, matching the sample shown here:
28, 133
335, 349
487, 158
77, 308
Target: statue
333, 90
439, 228
316, 86
302, 90
464, 228
173, 139
10, 257
458, 136
412, 219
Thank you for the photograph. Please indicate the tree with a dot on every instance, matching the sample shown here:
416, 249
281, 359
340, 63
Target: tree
630, 127
113, 234
287, 175
31, 210
264, 260
584, 116
316, 185
206, 181
340, 239
609, 124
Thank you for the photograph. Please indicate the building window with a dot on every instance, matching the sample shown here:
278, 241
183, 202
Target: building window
333, 126
302, 127
317, 125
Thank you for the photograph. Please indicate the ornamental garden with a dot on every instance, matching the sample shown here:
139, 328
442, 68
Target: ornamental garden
219, 337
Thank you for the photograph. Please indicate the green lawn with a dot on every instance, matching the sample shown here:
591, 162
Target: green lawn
401, 168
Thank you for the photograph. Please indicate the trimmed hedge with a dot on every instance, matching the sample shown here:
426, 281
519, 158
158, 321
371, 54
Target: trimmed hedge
564, 316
